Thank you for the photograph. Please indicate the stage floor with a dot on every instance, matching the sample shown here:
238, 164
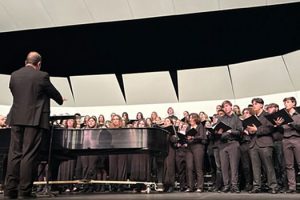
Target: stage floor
172, 196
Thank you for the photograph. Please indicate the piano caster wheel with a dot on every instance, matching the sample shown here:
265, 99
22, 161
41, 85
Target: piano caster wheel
148, 190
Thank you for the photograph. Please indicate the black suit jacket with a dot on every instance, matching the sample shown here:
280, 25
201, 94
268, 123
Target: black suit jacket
31, 90
263, 136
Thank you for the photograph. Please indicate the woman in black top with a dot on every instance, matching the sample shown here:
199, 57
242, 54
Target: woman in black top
195, 153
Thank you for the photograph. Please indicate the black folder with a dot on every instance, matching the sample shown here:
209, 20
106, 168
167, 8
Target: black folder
170, 129
297, 109
131, 121
281, 113
203, 123
183, 119
181, 138
191, 132
250, 121
221, 125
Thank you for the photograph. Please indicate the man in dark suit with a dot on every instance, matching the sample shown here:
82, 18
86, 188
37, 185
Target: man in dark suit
261, 149
28, 117
229, 148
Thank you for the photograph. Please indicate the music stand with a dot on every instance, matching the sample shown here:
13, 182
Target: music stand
52, 120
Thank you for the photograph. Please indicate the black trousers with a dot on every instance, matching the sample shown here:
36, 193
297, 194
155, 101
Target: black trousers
181, 166
291, 149
246, 163
169, 168
262, 157
219, 178
194, 160
22, 159
230, 158
140, 167
118, 167
89, 166
279, 165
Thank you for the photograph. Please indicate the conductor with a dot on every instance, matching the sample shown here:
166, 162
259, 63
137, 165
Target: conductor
28, 117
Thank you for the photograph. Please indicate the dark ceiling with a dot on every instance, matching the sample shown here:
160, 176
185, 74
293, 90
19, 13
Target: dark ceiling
158, 44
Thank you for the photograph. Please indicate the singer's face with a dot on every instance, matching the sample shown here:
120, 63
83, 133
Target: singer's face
91, 123
257, 106
116, 121
271, 109
168, 122
246, 114
288, 104
192, 120
227, 108
141, 124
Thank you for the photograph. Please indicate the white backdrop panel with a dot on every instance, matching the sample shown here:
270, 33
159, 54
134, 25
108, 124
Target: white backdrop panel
273, 2
292, 61
5, 97
204, 84
66, 12
27, 15
153, 8
62, 85
22, 15
194, 6
233, 4
107, 10
5, 20
260, 77
96, 90
143, 88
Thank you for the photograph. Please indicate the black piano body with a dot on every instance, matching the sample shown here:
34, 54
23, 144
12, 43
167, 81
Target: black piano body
4, 140
68, 143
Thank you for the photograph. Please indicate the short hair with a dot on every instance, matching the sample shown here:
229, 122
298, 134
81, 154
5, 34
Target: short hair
33, 58
93, 118
258, 100
222, 111
292, 99
275, 105
196, 117
250, 110
226, 102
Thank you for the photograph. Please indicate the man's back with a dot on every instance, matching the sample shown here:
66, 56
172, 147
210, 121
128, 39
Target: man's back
28, 117
31, 90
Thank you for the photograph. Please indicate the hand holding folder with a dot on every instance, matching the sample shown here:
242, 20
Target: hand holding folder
192, 132
220, 128
250, 121
181, 138
281, 116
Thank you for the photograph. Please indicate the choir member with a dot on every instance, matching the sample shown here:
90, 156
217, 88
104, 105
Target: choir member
291, 142
230, 148
246, 166
140, 165
117, 162
169, 162
279, 162
195, 153
261, 149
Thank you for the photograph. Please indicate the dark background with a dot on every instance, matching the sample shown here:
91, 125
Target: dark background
158, 44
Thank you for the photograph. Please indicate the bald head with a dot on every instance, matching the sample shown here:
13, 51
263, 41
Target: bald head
33, 58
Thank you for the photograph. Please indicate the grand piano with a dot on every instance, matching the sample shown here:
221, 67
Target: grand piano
69, 143
74, 142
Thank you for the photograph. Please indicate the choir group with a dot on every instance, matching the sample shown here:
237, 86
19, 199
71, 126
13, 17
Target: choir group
241, 150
